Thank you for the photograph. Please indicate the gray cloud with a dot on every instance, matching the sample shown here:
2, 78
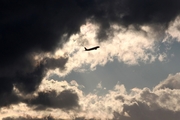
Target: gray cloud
172, 82
136, 13
8, 99
66, 99
30, 81
141, 111
61, 103
52, 63
44, 118
30, 118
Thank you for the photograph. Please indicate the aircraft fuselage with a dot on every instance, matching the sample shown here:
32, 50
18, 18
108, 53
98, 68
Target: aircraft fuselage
93, 48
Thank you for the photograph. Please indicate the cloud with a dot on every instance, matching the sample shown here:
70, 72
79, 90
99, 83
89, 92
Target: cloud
66, 99
32, 33
30, 118
138, 104
162, 57
174, 29
30, 29
99, 86
140, 111
137, 13
172, 82
8, 99
127, 45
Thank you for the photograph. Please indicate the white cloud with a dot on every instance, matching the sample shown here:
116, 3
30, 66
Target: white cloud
174, 29
162, 57
99, 85
161, 103
127, 45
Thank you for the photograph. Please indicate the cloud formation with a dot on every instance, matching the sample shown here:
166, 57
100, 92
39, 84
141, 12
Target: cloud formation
138, 104
33, 32
172, 82
29, 29
67, 99
125, 44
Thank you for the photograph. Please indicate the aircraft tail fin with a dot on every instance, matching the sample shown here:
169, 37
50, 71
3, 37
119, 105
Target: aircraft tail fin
85, 48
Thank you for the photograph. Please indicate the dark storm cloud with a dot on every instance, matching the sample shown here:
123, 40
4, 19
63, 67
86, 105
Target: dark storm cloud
67, 99
25, 81
28, 27
7, 99
134, 12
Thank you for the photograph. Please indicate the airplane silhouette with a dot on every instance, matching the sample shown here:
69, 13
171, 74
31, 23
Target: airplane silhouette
93, 48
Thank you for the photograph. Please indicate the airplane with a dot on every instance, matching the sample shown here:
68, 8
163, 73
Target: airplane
93, 48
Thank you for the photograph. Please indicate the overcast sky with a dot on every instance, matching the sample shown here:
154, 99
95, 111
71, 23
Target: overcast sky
45, 73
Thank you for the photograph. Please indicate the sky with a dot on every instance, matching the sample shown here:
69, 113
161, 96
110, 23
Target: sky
45, 73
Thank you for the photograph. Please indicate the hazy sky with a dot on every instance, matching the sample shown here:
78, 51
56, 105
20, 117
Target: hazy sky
45, 73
